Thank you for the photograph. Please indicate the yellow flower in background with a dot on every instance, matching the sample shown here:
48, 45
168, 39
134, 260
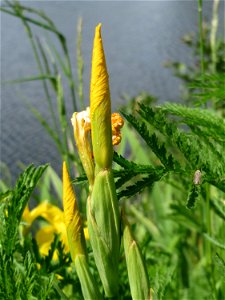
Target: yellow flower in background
45, 235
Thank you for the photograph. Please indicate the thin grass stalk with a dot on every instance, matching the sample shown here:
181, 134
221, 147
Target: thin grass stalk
70, 75
51, 27
206, 211
201, 36
18, 12
27, 19
45, 84
209, 245
80, 62
37, 58
32, 10
62, 118
66, 67
51, 132
214, 27
48, 97
44, 51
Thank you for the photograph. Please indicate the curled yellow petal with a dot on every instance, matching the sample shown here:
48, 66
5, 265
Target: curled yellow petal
82, 128
99, 74
72, 217
100, 105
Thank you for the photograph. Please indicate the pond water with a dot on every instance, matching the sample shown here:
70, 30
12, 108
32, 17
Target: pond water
139, 37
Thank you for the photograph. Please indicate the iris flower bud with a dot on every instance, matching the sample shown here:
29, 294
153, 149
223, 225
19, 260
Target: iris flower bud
102, 207
72, 217
137, 273
100, 107
76, 239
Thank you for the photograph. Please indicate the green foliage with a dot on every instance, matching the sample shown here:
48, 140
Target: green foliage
209, 87
203, 85
13, 206
24, 272
179, 223
19, 277
180, 141
193, 196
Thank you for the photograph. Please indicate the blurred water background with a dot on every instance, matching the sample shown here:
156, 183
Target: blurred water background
139, 37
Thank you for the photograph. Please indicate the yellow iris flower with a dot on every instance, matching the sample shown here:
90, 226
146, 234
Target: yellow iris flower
45, 235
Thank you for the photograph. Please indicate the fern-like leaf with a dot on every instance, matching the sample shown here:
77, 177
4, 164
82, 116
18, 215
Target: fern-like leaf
12, 210
153, 142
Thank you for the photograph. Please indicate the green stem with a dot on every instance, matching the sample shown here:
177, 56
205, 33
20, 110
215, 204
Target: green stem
214, 27
208, 243
44, 85
69, 73
37, 58
201, 36
80, 62
208, 224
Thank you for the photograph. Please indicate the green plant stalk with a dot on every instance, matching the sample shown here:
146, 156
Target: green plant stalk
137, 272
50, 27
208, 223
214, 27
37, 58
209, 245
80, 62
201, 37
62, 118
104, 229
50, 131
47, 69
66, 67
70, 77
64, 151
88, 284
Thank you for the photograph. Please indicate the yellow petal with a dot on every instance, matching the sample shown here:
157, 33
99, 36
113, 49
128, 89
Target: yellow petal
45, 237
100, 105
86, 233
82, 128
99, 74
49, 212
27, 216
69, 198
